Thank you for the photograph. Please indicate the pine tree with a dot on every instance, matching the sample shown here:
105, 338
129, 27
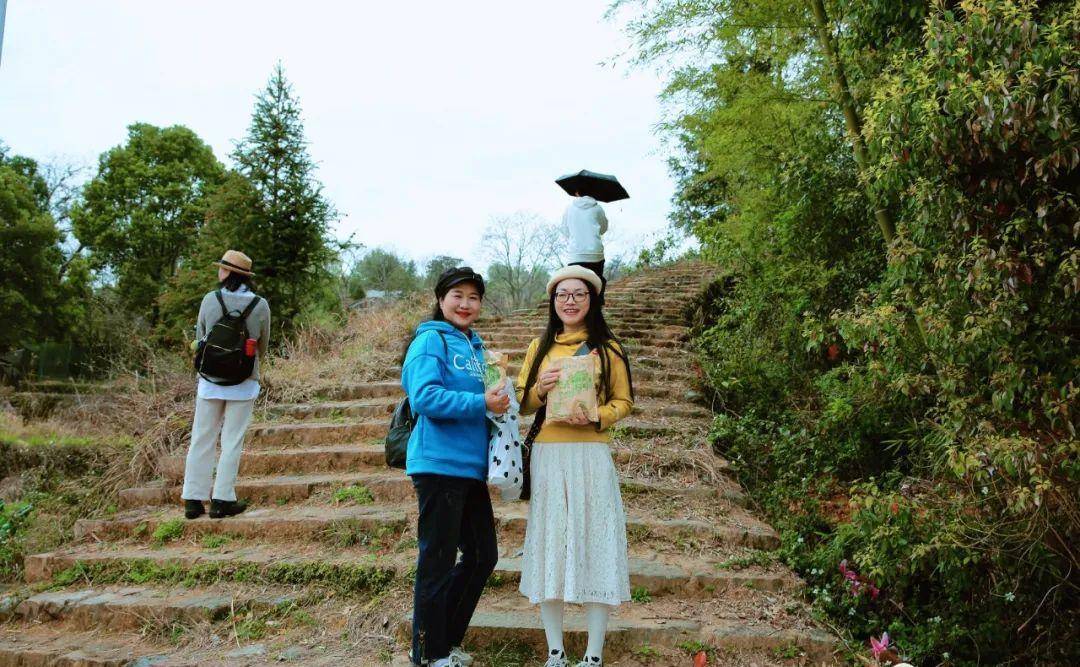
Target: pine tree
290, 246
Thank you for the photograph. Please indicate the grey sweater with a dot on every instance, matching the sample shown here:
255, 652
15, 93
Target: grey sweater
258, 322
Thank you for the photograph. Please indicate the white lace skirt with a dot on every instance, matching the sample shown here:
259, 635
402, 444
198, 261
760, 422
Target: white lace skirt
575, 540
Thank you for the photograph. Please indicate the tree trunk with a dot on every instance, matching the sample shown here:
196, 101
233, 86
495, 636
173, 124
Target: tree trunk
851, 115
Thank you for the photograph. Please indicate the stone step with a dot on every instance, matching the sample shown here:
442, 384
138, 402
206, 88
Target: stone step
114, 607
273, 435
493, 627
632, 627
385, 486
361, 409
31, 646
367, 457
684, 577
365, 409
674, 352
673, 374
307, 522
513, 341
331, 458
362, 390
649, 328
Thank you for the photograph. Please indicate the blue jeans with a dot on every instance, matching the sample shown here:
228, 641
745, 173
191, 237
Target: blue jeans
455, 514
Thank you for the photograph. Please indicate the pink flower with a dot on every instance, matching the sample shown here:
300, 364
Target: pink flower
878, 647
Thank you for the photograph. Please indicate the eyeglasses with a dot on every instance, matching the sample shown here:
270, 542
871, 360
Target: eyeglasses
564, 297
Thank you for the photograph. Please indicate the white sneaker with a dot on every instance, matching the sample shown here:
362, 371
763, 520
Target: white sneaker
463, 657
450, 661
556, 658
591, 661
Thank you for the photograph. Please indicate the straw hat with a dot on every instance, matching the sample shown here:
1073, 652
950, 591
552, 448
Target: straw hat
575, 271
236, 261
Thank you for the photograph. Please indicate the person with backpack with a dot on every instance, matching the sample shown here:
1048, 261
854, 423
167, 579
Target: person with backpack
575, 538
443, 376
233, 330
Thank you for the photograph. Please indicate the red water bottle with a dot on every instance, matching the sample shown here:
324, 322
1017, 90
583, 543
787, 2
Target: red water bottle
250, 347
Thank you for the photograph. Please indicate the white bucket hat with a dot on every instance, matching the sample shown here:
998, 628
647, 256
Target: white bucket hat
574, 271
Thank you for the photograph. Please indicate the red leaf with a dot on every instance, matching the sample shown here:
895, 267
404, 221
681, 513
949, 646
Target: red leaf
700, 660
834, 352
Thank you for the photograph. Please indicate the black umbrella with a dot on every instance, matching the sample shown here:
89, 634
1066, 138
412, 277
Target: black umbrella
601, 187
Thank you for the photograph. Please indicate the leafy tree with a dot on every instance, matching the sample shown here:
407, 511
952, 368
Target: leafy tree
435, 267
810, 135
141, 213
384, 271
287, 231
29, 257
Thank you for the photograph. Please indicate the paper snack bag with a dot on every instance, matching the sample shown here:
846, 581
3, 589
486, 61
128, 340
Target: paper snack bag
575, 390
495, 369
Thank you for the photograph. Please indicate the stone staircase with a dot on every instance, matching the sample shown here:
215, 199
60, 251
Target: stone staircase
319, 570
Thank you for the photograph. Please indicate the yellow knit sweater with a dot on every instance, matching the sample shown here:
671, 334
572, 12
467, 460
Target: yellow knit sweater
617, 406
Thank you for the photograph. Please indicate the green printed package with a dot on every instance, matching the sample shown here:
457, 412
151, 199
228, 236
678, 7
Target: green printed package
495, 369
575, 393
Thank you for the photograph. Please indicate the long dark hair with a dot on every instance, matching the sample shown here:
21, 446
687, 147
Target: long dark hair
600, 338
234, 280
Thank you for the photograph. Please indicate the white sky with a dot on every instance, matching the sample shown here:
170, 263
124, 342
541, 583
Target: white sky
426, 118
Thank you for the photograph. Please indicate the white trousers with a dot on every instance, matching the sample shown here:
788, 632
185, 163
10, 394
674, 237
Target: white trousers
214, 417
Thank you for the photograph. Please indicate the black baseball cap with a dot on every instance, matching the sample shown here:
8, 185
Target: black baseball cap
455, 276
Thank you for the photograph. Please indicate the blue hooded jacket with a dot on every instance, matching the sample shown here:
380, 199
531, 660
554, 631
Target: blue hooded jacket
445, 385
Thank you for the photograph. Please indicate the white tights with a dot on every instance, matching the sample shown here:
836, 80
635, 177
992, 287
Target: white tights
596, 620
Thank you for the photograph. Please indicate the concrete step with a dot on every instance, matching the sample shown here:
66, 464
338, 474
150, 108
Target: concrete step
675, 351
389, 486
308, 522
274, 435
32, 646
331, 458
278, 435
363, 390
672, 374
361, 409
352, 410
632, 627
115, 607
685, 577
649, 328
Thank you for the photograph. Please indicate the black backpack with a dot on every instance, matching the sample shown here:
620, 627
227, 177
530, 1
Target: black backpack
220, 357
401, 427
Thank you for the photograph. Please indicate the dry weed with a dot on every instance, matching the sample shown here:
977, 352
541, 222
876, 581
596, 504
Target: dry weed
366, 349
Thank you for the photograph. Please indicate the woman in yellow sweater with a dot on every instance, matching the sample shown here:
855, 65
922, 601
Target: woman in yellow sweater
575, 540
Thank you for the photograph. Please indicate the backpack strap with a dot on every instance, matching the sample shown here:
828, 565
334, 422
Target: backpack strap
250, 307
221, 300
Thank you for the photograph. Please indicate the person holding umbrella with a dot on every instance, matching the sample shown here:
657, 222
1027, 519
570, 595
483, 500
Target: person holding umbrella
584, 218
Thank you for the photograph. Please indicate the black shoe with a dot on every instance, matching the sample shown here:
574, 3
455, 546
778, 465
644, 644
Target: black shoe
224, 508
193, 509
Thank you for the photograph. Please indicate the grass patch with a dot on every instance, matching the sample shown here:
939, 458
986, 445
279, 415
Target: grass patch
641, 595
167, 531
646, 652
356, 494
693, 647
342, 578
759, 558
353, 532
216, 540
788, 652
506, 654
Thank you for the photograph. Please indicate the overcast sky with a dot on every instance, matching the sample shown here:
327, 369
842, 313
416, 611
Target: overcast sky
425, 118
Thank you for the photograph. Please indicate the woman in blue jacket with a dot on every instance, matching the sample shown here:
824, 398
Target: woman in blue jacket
443, 375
